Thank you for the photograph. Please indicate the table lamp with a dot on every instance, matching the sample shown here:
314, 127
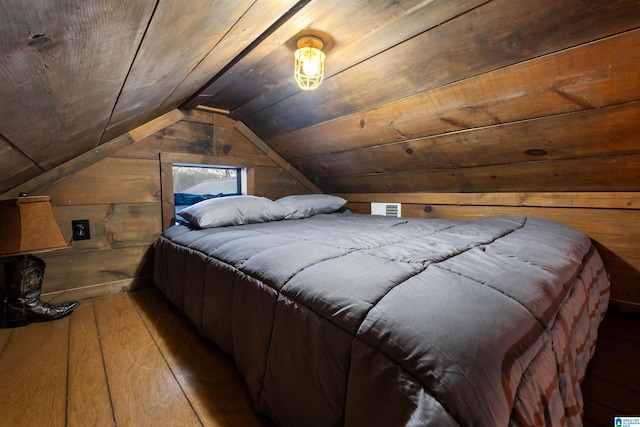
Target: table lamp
27, 226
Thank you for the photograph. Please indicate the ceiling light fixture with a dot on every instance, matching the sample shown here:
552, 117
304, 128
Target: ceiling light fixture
309, 64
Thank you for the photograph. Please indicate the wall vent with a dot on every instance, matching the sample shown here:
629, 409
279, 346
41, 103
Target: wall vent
386, 209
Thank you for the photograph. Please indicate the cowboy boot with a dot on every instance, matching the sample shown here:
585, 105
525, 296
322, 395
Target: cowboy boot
23, 279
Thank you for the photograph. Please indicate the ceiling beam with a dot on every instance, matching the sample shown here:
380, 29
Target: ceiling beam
65, 170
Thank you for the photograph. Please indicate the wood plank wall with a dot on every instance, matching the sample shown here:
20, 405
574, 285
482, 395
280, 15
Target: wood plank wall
561, 122
120, 195
610, 219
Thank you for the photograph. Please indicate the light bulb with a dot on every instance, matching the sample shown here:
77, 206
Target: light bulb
310, 68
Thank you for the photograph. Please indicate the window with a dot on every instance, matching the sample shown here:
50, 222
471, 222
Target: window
201, 175
195, 183
207, 179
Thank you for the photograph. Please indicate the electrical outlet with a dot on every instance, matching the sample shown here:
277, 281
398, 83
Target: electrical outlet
81, 229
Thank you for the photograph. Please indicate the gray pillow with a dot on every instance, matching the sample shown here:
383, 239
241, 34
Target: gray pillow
233, 210
306, 205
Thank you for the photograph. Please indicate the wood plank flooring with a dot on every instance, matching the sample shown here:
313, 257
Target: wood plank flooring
132, 360
126, 360
612, 385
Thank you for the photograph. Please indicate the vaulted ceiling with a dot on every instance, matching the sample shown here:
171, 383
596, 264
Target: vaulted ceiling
419, 95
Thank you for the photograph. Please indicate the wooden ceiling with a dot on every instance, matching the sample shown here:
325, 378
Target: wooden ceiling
430, 95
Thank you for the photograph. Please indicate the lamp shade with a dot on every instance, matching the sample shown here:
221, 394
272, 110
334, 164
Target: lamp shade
27, 226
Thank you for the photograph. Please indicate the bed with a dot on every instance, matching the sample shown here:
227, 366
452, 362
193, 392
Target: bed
347, 319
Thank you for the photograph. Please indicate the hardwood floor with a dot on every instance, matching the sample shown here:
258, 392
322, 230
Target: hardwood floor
612, 385
132, 360
128, 360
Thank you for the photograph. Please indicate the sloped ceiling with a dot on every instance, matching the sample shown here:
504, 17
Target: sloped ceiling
439, 95
76, 74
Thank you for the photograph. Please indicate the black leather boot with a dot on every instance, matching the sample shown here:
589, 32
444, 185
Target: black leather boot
23, 280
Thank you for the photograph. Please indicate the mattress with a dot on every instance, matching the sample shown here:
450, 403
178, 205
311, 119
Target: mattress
347, 319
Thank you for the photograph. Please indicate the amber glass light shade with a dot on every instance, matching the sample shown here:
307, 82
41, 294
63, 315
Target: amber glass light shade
27, 226
309, 63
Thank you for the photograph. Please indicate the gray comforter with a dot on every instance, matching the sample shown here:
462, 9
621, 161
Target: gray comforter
358, 320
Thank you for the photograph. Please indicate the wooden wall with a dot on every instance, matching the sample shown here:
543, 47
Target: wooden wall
121, 197
566, 121
120, 194
611, 220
